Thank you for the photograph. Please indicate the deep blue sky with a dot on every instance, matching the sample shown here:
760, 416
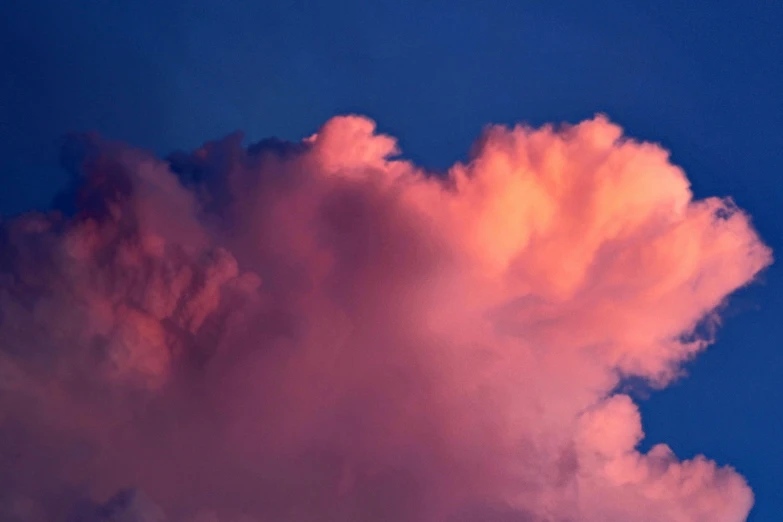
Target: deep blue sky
703, 78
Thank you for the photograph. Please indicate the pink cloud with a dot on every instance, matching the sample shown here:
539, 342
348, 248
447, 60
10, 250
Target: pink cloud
321, 331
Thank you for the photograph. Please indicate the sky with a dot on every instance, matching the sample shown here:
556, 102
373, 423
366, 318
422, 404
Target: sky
701, 80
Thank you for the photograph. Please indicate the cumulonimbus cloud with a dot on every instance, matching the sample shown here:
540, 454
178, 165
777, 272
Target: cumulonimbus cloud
320, 331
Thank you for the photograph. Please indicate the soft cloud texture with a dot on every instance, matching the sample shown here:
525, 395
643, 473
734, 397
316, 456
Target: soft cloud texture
318, 331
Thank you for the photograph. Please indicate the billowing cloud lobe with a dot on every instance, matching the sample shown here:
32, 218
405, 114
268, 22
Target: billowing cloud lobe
318, 331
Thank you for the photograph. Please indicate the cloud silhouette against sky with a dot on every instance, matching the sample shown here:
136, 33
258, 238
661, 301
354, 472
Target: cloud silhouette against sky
320, 331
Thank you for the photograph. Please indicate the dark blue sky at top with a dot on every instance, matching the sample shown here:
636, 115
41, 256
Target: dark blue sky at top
703, 78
